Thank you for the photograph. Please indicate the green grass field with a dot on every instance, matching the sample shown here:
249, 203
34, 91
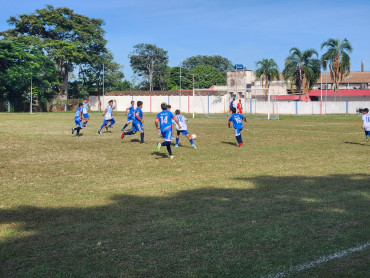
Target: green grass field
99, 206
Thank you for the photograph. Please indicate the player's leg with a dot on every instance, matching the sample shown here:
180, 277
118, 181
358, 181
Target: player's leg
238, 137
112, 122
131, 132
102, 126
126, 125
177, 138
367, 135
86, 119
186, 133
167, 141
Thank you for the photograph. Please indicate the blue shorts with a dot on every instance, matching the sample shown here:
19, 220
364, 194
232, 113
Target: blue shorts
79, 123
86, 115
367, 133
237, 131
130, 118
183, 132
137, 126
167, 135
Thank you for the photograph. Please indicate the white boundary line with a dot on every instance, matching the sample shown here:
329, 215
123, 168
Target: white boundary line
321, 260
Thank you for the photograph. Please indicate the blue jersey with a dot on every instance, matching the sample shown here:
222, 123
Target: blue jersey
231, 104
131, 112
165, 120
237, 120
78, 113
138, 112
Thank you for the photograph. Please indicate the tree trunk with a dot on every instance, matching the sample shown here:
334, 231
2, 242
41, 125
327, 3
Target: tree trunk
150, 81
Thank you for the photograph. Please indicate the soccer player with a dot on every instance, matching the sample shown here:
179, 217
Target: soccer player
182, 129
108, 117
238, 125
137, 123
78, 119
240, 107
163, 122
366, 123
130, 116
85, 113
231, 105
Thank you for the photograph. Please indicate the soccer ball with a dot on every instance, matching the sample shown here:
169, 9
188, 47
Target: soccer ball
193, 136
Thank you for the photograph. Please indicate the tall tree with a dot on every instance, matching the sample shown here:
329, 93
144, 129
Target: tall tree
206, 76
302, 69
267, 70
147, 59
337, 57
221, 63
20, 64
68, 38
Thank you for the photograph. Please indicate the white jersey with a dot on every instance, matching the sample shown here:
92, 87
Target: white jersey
366, 121
85, 107
182, 121
108, 114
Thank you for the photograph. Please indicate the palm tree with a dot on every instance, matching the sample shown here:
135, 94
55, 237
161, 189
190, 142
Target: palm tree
267, 70
337, 55
302, 69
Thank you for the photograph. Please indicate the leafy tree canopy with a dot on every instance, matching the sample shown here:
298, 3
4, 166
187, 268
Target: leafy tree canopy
206, 76
221, 63
18, 65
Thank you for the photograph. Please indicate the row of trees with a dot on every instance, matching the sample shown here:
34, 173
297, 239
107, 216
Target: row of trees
303, 68
61, 52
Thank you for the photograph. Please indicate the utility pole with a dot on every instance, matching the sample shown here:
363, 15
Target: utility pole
103, 85
193, 74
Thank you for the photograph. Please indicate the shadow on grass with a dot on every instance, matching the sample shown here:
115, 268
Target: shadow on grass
160, 155
355, 143
272, 224
229, 143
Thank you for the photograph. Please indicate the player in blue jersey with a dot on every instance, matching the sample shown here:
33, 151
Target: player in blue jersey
182, 129
85, 113
163, 122
137, 123
231, 106
236, 119
366, 123
78, 119
108, 117
130, 117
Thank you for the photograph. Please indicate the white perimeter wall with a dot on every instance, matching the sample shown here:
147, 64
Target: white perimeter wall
216, 104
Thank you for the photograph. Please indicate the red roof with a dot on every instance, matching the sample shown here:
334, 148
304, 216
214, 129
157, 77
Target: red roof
361, 93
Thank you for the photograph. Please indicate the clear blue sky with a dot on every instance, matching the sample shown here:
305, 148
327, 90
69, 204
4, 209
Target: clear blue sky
243, 31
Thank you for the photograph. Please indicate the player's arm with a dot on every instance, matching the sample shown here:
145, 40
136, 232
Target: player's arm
156, 123
128, 108
138, 118
80, 119
229, 123
362, 124
176, 121
105, 111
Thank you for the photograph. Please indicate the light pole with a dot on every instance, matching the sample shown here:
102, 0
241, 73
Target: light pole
326, 87
180, 88
103, 85
193, 74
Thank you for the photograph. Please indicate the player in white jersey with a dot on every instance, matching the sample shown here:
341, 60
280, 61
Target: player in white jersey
108, 117
85, 113
182, 129
366, 123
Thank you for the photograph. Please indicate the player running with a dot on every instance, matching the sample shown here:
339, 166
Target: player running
237, 118
366, 123
130, 117
85, 113
231, 105
240, 107
78, 119
137, 123
182, 129
108, 117
163, 122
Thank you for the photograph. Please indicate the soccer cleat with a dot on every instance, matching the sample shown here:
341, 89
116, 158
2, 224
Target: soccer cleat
194, 147
122, 135
73, 130
367, 139
143, 143
171, 156
241, 144
99, 132
106, 128
158, 146
176, 146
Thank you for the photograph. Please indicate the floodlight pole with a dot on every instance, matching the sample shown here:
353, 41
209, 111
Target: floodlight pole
180, 88
193, 96
268, 103
103, 85
326, 88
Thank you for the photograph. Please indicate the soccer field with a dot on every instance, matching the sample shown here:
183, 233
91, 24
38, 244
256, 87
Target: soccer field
98, 206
